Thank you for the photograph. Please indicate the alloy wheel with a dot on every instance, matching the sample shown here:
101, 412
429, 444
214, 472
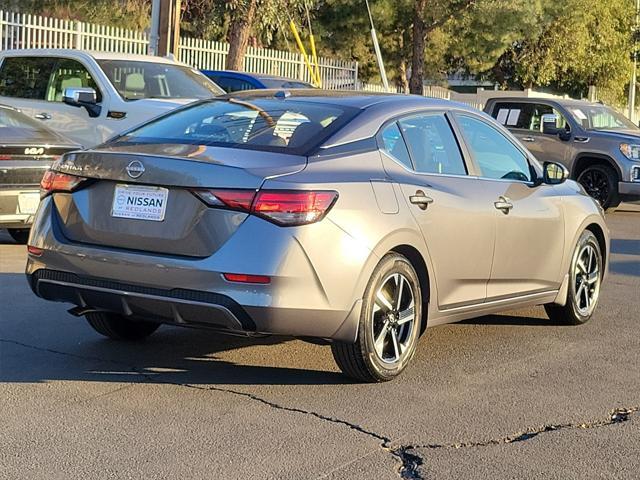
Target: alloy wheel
393, 318
596, 184
586, 278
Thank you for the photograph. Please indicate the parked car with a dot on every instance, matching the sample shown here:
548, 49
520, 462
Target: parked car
27, 149
380, 215
600, 147
90, 96
231, 81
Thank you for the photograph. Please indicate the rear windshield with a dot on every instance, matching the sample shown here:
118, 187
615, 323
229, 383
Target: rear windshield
18, 128
288, 126
283, 83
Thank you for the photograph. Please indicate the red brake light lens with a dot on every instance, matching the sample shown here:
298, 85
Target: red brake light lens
58, 182
293, 207
35, 251
244, 278
233, 199
282, 207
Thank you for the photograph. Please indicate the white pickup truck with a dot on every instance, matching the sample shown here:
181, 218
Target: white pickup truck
91, 96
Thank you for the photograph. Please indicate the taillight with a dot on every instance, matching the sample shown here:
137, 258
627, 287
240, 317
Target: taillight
5, 157
282, 207
233, 199
58, 182
293, 207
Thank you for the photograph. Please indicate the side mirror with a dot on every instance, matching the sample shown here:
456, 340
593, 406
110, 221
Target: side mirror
82, 97
554, 173
550, 124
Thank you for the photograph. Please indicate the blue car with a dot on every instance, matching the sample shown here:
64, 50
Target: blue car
231, 81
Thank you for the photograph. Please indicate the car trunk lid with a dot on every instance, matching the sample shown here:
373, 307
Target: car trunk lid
165, 174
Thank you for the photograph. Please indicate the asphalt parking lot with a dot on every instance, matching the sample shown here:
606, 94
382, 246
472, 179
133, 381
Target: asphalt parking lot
506, 396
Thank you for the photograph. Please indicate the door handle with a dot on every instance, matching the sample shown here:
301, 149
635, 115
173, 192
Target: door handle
43, 116
528, 139
421, 200
504, 204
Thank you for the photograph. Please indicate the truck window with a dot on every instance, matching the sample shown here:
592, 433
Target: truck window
525, 116
26, 77
69, 73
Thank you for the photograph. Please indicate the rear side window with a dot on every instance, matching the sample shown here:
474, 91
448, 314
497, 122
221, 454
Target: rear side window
288, 126
26, 77
394, 145
432, 144
495, 155
514, 115
229, 84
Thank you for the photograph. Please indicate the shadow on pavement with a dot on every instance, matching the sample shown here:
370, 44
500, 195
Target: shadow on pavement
625, 246
506, 319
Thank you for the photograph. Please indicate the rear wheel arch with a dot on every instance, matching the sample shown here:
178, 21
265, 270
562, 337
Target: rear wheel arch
599, 234
420, 266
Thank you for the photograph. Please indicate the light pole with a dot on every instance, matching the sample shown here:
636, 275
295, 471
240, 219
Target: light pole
634, 76
376, 48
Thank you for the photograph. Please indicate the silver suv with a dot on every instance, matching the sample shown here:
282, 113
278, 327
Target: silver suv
600, 147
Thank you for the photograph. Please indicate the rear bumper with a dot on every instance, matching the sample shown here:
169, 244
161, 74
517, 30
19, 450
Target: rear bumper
307, 296
11, 215
176, 306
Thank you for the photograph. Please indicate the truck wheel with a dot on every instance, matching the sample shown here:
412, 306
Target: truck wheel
389, 326
601, 183
117, 327
20, 235
585, 275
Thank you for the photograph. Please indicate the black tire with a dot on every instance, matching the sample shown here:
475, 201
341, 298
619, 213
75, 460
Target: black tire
361, 360
571, 312
601, 182
20, 235
117, 327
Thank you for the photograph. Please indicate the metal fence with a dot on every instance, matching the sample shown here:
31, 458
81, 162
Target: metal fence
34, 31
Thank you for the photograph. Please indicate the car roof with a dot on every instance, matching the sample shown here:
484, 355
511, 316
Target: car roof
252, 76
559, 101
346, 98
86, 54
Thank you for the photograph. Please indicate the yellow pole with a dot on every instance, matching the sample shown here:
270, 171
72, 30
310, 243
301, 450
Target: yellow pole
303, 52
315, 60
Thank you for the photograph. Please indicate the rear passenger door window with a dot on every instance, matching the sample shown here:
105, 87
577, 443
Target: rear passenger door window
495, 155
432, 145
26, 77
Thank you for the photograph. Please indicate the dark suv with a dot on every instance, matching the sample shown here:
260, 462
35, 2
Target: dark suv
600, 147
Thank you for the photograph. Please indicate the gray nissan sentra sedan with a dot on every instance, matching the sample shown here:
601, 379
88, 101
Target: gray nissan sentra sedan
352, 219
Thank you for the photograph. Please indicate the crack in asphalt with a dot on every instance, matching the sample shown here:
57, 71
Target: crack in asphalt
409, 460
618, 415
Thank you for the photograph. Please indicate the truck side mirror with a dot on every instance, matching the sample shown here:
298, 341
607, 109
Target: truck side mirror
82, 97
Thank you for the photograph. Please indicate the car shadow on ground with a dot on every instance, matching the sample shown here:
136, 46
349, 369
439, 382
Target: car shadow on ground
514, 320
